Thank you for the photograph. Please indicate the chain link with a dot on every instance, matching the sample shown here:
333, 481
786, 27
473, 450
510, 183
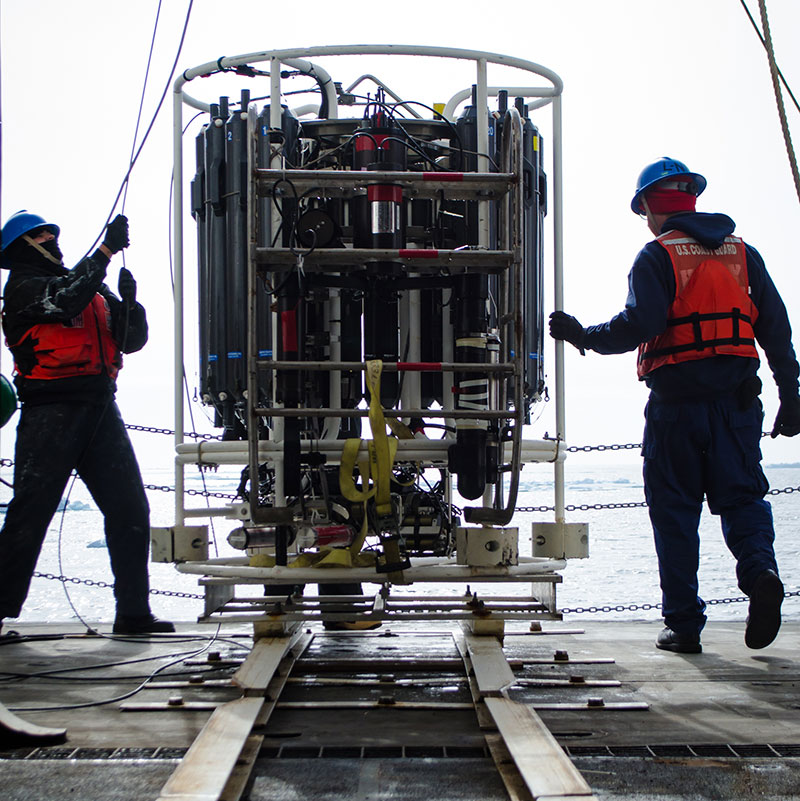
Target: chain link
614, 447
170, 432
583, 507
583, 610
576, 610
203, 493
106, 585
628, 446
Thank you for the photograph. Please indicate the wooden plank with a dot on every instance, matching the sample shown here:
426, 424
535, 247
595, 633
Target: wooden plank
515, 785
281, 676
545, 768
210, 761
492, 671
215, 765
237, 783
485, 721
257, 671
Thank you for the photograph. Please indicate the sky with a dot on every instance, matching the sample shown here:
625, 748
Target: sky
642, 79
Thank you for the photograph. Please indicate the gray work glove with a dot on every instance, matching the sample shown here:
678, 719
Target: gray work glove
565, 326
787, 421
127, 286
117, 234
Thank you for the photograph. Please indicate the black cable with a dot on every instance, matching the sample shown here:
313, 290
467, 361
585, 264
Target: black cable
178, 658
764, 45
453, 128
149, 128
60, 673
141, 103
124, 188
410, 144
391, 108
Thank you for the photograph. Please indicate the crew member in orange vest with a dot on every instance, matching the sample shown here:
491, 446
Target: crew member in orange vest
67, 332
699, 299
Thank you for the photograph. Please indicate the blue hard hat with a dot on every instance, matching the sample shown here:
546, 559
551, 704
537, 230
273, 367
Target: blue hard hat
666, 168
18, 225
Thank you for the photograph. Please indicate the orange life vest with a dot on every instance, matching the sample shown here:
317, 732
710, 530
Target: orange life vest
83, 346
712, 313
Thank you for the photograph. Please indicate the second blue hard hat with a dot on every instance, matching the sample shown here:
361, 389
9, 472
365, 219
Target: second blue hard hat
659, 170
18, 225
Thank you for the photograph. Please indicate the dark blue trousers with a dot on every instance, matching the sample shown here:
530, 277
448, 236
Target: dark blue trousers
711, 449
53, 440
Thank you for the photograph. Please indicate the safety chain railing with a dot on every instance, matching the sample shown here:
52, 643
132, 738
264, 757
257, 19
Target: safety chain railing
203, 493
585, 507
584, 610
628, 446
582, 507
106, 585
576, 610
170, 432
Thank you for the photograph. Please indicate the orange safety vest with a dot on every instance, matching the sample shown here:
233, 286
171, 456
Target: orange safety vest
712, 313
83, 346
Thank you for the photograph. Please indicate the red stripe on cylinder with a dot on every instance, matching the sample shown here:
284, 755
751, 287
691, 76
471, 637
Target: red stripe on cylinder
418, 367
417, 253
391, 193
289, 330
443, 176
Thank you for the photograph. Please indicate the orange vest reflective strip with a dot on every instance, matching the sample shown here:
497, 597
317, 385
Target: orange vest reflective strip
84, 346
712, 314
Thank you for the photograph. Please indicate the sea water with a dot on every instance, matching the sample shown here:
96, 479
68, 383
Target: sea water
621, 570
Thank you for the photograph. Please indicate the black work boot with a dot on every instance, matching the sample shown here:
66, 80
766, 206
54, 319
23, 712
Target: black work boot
141, 624
764, 615
669, 640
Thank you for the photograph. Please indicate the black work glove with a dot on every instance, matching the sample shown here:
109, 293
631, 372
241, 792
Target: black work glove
565, 326
127, 286
787, 421
117, 234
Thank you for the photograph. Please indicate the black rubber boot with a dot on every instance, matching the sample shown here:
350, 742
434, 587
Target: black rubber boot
147, 624
669, 640
764, 615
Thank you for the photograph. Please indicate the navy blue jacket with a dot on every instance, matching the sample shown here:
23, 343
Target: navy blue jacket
651, 291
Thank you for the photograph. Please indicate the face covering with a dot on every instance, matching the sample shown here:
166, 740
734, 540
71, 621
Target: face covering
46, 252
669, 201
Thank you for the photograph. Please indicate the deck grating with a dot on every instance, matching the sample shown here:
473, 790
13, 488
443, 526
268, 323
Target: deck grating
754, 750
677, 751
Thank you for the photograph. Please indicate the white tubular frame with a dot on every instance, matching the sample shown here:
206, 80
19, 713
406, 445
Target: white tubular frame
547, 450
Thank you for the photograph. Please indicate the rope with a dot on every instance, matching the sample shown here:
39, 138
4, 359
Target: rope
763, 44
773, 69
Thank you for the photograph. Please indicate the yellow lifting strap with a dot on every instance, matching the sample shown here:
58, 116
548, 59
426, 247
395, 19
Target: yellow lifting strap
381, 451
377, 467
381, 467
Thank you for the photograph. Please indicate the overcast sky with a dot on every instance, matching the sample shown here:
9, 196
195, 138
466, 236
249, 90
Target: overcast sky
642, 79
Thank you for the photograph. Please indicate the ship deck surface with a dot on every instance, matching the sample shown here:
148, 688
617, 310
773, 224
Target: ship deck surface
724, 724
